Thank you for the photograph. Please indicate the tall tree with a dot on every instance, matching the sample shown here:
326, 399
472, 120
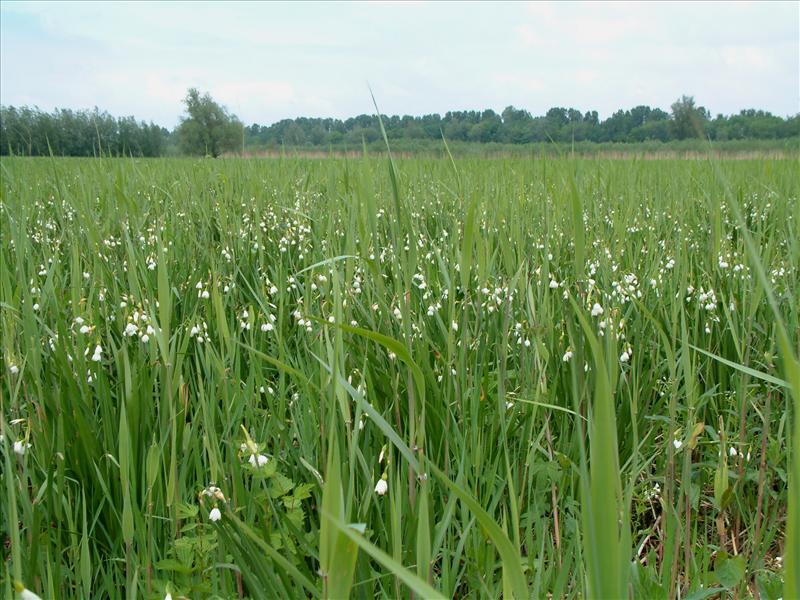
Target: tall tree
208, 129
688, 120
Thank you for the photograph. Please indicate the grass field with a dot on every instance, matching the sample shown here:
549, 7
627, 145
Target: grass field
302, 378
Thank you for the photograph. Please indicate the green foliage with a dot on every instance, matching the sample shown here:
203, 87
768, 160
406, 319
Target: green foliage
688, 120
207, 129
385, 379
32, 132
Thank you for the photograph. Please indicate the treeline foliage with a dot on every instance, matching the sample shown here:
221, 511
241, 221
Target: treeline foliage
518, 126
33, 132
209, 129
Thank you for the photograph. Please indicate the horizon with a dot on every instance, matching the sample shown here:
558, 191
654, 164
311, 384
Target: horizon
373, 113
531, 56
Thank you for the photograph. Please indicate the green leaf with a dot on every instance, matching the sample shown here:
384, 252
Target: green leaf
729, 570
417, 585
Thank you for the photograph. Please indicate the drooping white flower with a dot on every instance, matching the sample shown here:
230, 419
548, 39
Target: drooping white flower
553, 284
677, 444
381, 487
14, 369
597, 309
258, 460
215, 515
21, 447
145, 338
25, 593
732, 452
567, 356
624, 357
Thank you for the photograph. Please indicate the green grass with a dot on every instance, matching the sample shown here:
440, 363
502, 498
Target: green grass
299, 330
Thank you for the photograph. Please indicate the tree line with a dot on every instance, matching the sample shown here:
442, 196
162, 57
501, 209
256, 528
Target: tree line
207, 128
32, 132
518, 126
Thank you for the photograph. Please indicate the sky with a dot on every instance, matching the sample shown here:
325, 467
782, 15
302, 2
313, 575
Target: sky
271, 61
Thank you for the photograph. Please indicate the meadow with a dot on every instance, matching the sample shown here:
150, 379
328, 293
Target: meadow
533, 377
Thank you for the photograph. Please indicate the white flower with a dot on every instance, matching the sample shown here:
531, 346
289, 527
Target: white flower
130, 330
454, 325
258, 460
98, 354
597, 309
381, 487
567, 356
205, 295
168, 596
677, 444
36, 306
20, 447
145, 338
25, 593
732, 451
266, 327
553, 284
14, 369
215, 515
624, 357
79, 320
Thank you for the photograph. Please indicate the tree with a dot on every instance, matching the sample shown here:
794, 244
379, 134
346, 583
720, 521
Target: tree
688, 120
208, 129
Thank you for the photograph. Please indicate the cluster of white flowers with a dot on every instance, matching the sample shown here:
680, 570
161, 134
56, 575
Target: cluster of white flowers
202, 290
256, 459
520, 335
494, 298
269, 324
653, 493
302, 322
624, 290
82, 326
733, 453
139, 325
626, 354
199, 332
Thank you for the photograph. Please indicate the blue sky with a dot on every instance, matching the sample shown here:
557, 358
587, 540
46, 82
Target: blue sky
271, 61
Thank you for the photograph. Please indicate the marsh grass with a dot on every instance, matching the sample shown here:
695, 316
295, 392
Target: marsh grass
417, 316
